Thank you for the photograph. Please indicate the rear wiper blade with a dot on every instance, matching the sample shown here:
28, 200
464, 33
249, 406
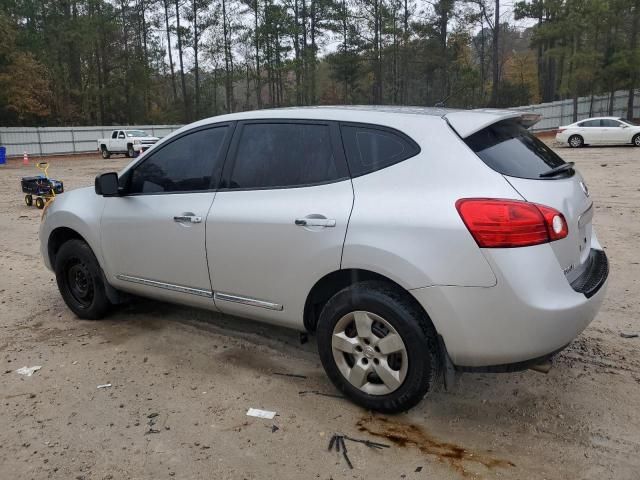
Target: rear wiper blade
559, 169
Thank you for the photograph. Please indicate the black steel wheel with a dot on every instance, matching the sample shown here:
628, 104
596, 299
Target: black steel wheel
80, 280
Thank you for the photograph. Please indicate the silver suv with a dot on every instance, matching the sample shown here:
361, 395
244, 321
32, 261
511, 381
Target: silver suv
411, 241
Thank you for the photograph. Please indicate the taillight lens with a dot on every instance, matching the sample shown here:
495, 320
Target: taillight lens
560, 130
497, 223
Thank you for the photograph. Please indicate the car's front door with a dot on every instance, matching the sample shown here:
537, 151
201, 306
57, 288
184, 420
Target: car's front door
612, 131
279, 220
153, 236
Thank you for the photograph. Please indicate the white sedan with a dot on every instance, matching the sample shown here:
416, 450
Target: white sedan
600, 131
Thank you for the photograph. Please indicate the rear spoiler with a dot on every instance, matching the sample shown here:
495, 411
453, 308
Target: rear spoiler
468, 122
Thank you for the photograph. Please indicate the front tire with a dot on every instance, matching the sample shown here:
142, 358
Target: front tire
576, 141
636, 140
80, 280
131, 153
378, 347
40, 203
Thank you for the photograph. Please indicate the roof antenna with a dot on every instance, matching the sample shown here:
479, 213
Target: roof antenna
442, 103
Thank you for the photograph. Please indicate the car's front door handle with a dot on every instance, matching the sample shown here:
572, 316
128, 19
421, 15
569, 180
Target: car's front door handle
315, 222
187, 219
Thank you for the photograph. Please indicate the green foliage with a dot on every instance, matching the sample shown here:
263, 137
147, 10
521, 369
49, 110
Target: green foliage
114, 62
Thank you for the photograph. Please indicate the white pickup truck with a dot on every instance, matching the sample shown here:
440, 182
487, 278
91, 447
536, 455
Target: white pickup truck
129, 142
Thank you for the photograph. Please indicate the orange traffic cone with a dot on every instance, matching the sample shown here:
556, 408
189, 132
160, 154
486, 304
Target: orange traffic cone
25, 159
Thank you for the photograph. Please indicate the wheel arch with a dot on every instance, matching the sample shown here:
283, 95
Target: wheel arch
337, 280
57, 238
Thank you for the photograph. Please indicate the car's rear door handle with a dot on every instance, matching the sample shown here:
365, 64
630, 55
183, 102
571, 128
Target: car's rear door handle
187, 219
315, 222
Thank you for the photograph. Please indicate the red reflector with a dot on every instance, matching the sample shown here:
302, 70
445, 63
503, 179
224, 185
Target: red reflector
560, 130
496, 223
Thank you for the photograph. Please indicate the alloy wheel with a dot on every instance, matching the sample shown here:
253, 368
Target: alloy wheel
369, 353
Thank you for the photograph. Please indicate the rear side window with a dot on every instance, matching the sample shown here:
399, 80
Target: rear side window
276, 155
510, 149
186, 164
590, 123
370, 149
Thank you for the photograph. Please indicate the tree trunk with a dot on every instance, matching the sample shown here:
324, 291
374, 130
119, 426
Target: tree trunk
173, 71
496, 56
196, 68
404, 97
185, 99
228, 66
257, 48
313, 53
296, 48
633, 45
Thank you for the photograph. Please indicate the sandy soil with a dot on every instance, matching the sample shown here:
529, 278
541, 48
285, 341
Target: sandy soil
182, 380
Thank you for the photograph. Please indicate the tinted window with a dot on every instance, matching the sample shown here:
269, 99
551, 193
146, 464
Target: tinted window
284, 155
114, 135
610, 123
510, 149
371, 149
590, 123
186, 164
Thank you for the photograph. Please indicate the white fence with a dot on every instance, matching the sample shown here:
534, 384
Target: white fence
560, 113
65, 140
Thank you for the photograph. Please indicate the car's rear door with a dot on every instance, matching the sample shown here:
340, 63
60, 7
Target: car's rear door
591, 132
153, 236
279, 219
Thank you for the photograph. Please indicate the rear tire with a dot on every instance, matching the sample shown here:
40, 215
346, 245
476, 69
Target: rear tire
40, 203
576, 141
80, 280
636, 140
28, 200
106, 154
390, 375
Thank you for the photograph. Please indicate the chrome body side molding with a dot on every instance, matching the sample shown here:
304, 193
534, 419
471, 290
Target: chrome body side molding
254, 302
167, 286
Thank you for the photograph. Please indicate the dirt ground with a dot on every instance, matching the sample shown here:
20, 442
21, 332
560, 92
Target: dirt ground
182, 379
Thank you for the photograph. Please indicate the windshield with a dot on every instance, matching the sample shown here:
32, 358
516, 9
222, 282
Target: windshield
509, 148
136, 133
628, 122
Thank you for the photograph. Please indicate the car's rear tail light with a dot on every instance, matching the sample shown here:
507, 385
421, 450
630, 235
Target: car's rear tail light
497, 223
560, 130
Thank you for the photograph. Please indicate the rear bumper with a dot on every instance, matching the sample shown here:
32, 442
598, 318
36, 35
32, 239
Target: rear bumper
532, 311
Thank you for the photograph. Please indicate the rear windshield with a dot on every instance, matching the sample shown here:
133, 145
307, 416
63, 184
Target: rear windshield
509, 148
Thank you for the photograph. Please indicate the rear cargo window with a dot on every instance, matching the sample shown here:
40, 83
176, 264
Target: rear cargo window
508, 148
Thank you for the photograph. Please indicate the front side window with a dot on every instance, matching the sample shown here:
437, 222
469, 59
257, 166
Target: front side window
190, 163
610, 123
121, 135
371, 149
275, 155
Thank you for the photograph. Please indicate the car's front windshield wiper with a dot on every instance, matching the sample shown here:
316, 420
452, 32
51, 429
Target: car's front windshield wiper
559, 169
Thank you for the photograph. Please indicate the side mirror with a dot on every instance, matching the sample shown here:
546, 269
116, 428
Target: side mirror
624, 125
107, 184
